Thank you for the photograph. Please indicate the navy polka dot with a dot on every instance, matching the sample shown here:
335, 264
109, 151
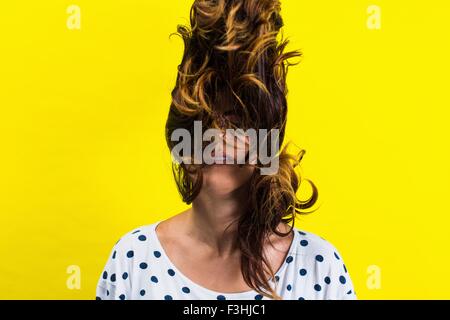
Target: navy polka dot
168, 297
113, 277
124, 276
342, 279
327, 280
154, 279
302, 233
289, 259
114, 255
304, 243
107, 292
98, 298
105, 275
301, 298
302, 272
221, 297
345, 269
171, 272
122, 297
317, 287
289, 287
336, 255
319, 258
277, 278
142, 292
258, 297
130, 254
157, 254
349, 292
186, 290
143, 265
136, 231
142, 237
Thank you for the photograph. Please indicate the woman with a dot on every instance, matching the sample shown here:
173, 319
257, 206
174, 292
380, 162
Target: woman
235, 241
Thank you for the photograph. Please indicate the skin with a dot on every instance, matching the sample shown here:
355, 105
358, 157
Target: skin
196, 241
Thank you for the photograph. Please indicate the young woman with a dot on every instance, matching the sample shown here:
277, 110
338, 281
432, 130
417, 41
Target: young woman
235, 241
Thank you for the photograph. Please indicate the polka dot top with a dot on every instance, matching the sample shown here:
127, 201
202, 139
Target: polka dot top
138, 268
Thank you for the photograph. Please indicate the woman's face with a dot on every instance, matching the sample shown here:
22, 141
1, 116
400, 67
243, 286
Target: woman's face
221, 178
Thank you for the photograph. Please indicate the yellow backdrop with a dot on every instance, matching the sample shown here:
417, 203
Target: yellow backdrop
84, 93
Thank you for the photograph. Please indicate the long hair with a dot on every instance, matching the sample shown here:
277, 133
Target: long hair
233, 61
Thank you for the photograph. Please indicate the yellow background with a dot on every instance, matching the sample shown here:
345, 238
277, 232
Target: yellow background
83, 157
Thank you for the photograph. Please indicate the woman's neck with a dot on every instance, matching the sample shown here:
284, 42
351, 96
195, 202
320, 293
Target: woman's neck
213, 219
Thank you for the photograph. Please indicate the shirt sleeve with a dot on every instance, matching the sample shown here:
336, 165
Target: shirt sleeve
341, 285
114, 281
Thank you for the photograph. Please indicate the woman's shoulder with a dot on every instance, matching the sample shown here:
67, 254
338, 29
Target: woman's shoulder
314, 269
134, 238
319, 258
312, 245
127, 254
131, 246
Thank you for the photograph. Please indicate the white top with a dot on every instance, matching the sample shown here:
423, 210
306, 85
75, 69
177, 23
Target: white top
138, 268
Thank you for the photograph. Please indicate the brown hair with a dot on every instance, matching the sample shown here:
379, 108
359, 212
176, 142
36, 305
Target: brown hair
233, 61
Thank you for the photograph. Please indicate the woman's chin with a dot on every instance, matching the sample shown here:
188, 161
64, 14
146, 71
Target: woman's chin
226, 178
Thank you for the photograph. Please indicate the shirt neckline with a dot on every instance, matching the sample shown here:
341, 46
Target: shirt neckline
212, 292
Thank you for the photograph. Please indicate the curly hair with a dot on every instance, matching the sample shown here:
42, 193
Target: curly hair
233, 61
